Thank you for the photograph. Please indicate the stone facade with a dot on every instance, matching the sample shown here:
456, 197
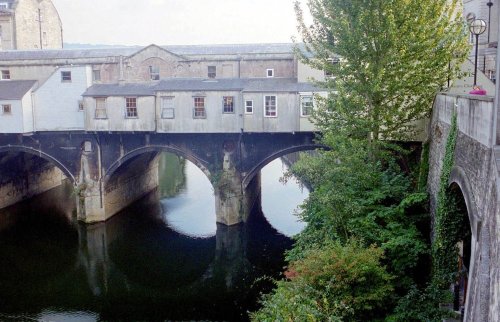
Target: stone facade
475, 172
30, 24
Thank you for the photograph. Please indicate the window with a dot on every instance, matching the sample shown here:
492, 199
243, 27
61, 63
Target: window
167, 107
4, 5
154, 72
96, 75
199, 108
5, 74
66, 76
131, 107
306, 105
80, 105
328, 70
228, 104
100, 108
270, 108
248, 107
6, 109
270, 72
212, 71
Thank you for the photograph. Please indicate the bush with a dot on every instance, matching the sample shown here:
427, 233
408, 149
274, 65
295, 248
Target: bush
334, 283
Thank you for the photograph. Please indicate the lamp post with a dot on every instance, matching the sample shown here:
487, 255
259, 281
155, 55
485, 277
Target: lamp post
489, 4
477, 27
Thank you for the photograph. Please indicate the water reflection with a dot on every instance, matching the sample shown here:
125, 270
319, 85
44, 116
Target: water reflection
191, 210
281, 200
142, 264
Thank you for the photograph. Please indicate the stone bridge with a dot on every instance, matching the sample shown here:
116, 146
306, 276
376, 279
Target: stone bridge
474, 180
112, 170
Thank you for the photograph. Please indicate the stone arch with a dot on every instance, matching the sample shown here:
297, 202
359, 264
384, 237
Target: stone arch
247, 178
479, 253
459, 178
41, 154
202, 165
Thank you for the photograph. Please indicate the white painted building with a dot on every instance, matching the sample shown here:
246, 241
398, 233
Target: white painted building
58, 102
16, 114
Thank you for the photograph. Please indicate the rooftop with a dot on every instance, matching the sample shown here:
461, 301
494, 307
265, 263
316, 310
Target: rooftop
272, 85
15, 89
192, 50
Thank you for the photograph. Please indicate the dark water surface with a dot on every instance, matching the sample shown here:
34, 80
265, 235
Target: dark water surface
163, 258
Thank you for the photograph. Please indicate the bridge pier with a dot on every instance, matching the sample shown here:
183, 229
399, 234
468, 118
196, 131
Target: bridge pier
98, 200
234, 201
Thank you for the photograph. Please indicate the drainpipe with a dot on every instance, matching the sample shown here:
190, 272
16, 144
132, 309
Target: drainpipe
40, 27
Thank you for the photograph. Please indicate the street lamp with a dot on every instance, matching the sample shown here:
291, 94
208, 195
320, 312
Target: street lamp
477, 27
489, 4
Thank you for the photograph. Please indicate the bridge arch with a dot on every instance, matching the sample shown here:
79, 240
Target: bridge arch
41, 154
459, 185
202, 165
247, 178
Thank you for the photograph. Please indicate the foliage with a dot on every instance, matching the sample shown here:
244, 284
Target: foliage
424, 167
449, 226
372, 201
334, 283
394, 56
422, 305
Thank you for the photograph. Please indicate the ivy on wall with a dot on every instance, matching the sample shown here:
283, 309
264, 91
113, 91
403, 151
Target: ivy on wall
447, 224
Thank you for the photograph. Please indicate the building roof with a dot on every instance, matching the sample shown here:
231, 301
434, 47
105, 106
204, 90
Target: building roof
200, 84
271, 85
193, 50
15, 89
132, 89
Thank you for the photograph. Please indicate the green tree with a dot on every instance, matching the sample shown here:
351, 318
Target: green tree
394, 55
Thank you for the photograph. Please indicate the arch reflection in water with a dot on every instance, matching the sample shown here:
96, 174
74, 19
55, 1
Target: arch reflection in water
188, 202
134, 266
173, 276
281, 200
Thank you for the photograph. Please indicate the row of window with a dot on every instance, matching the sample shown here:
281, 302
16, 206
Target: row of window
199, 107
154, 73
65, 75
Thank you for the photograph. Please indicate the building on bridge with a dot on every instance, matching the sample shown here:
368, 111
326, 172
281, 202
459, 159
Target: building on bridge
102, 116
97, 113
175, 89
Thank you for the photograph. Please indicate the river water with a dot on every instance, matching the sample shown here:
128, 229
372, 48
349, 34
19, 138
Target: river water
162, 258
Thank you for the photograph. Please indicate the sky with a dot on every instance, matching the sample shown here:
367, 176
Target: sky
177, 22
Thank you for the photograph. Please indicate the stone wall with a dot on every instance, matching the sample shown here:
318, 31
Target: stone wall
475, 172
27, 26
23, 176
